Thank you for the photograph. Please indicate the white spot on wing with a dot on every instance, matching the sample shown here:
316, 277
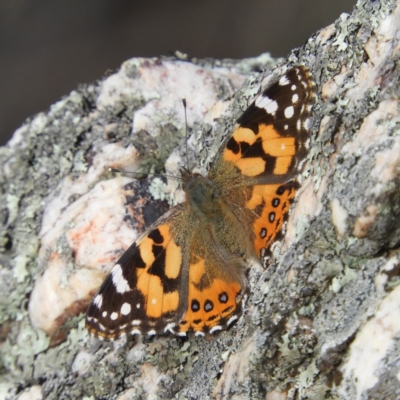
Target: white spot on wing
104, 314
169, 328
199, 333
284, 81
138, 305
294, 87
301, 163
126, 309
98, 300
102, 327
216, 328
135, 322
120, 283
269, 105
289, 112
154, 301
231, 320
135, 332
295, 97
182, 334
151, 333
114, 316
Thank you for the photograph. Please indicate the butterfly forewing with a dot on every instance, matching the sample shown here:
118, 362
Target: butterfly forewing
145, 290
272, 136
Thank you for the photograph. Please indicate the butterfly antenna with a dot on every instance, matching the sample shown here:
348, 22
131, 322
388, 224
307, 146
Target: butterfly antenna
115, 170
186, 133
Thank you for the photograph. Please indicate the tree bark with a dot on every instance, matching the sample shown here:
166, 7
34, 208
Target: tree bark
322, 317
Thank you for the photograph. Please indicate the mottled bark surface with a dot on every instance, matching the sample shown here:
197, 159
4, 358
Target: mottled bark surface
321, 320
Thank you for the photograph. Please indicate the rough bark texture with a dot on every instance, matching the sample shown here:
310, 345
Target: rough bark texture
321, 320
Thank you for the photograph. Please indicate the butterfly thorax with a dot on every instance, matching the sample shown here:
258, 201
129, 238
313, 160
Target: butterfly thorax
203, 198
218, 233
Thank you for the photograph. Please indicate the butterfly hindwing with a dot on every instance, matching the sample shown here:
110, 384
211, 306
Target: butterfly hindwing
212, 305
216, 283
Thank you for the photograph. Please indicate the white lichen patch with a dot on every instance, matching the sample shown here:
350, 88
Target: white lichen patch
12, 207
288, 351
306, 379
338, 282
158, 189
339, 216
307, 310
371, 345
20, 271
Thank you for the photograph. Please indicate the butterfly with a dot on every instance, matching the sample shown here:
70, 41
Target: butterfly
187, 271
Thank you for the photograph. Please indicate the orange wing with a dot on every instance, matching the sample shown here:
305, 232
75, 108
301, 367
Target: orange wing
269, 207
